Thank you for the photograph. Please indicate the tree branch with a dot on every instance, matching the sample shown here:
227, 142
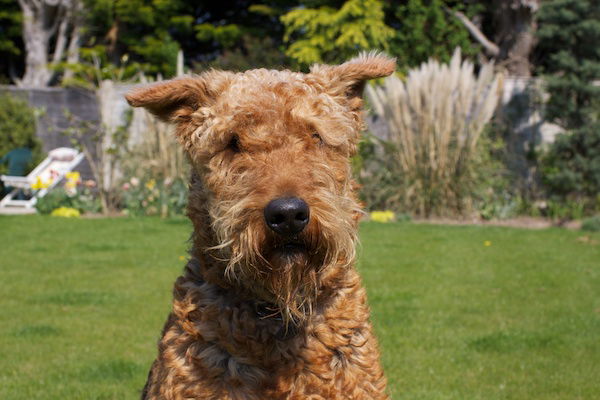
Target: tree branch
487, 44
30, 4
61, 40
61, 13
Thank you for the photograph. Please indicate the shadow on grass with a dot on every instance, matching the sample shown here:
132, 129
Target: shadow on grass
111, 370
504, 342
36, 331
79, 299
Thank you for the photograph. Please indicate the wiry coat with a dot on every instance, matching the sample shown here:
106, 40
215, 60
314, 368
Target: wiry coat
250, 319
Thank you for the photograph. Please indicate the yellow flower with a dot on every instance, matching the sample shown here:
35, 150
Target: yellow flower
487, 243
38, 184
150, 184
73, 176
382, 216
70, 184
181, 258
66, 212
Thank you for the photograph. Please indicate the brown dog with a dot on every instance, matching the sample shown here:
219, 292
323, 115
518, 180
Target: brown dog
269, 305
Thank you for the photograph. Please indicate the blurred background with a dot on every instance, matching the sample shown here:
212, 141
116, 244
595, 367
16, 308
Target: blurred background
491, 119
523, 141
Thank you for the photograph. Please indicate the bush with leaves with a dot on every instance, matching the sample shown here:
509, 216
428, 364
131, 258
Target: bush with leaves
83, 200
571, 168
591, 224
424, 30
17, 128
148, 196
330, 35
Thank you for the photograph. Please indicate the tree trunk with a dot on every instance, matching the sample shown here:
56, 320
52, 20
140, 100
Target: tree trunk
515, 34
43, 20
514, 28
74, 43
36, 38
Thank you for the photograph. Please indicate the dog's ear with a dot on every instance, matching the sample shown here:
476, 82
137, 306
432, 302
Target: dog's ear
350, 77
176, 100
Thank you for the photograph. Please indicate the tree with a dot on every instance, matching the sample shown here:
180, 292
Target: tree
142, 31
568, 37
569, 34
511, 25
49, 27
241, 35
10, 38
331, 35
424, 31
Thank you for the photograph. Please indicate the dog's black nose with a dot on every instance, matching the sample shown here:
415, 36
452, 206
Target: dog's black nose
287, 215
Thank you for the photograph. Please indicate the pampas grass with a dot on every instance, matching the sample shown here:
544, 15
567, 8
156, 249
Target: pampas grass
435, 119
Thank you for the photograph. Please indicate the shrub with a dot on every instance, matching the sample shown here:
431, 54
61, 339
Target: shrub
571, 167
434, 162
73, 195
17, 128
83, 201
152, 197
569, 31
591, 224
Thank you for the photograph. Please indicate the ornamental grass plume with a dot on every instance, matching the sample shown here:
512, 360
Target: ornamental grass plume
435, 119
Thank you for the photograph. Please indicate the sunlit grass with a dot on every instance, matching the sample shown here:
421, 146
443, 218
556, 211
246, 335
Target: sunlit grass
83, 301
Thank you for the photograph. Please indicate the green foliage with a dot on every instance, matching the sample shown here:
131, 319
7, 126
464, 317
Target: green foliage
226, 35
591, 224
145, 30
254, 52
330, 35
568, 36
424, 30
17, 128
10, 27
569, 31
242, 37
11, 43
165, 197
159, 53
94, 66
83, 200
571, 166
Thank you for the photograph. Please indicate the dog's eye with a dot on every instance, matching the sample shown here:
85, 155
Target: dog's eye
234, 144
317, 138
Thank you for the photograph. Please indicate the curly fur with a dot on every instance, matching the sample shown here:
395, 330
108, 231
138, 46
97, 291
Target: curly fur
250, 321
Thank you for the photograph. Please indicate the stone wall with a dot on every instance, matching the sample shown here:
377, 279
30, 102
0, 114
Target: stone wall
52, 104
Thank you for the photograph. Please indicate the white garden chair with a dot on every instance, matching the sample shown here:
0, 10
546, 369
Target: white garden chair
44, 177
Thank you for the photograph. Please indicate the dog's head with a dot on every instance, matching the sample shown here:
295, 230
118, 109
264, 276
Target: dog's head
270, 153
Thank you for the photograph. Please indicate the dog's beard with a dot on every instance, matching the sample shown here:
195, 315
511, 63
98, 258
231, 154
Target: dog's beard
286, 273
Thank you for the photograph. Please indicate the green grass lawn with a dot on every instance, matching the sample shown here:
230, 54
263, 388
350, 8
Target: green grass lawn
82, 303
